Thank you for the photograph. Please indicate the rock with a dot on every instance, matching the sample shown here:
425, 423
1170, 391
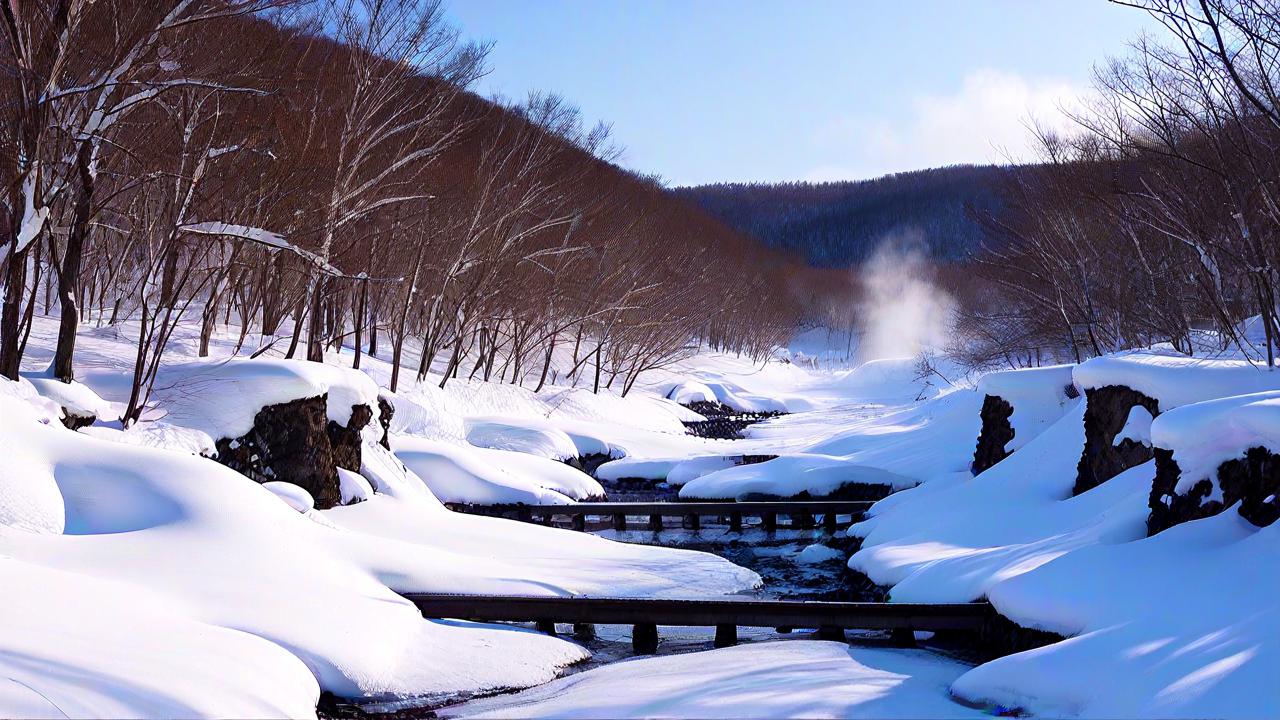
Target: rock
75, 421
1106, 412
1253, 481
290, 442
996, 433
385, 411
345, 440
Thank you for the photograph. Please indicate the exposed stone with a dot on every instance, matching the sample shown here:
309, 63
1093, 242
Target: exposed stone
345, 440
295, 442
996, 433
385, 411
1253, 481
1106, 411
75, 421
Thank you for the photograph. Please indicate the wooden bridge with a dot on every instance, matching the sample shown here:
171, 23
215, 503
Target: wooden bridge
725, 614
800, 513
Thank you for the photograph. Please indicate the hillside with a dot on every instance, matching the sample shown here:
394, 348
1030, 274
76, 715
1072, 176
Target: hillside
839, 224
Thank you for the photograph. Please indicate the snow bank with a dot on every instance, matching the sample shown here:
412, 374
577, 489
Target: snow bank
522, 436
462, 475
955, 542
1175, 380
1204, 435
132, 653
691, 391
787, 476
1038, 397
1183, 624
74, 397
770, 680
225, 552
693, 468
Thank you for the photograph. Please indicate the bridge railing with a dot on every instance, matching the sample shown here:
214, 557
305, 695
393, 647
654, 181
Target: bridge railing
725, 614
800, 513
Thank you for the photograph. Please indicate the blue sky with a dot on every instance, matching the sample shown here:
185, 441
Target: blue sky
709, 90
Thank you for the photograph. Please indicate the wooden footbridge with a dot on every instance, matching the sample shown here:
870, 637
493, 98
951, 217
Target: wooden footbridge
831, 619
799, 513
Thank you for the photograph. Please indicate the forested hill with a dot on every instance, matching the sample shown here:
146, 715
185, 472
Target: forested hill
838, 224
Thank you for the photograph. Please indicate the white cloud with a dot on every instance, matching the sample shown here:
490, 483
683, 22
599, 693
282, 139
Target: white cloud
984, 120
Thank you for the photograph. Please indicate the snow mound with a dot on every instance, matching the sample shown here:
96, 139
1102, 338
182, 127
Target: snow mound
817, 553
1204, 435
1181, 624
132, 653
774, 680
292, 495
520, 436
691, 391
75, 397
644, 468
686, 471
1038, 397
955, 541
466, 474
787, 476
1175, 380
222, 398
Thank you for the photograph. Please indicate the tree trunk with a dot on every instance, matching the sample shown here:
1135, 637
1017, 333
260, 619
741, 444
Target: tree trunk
69, 278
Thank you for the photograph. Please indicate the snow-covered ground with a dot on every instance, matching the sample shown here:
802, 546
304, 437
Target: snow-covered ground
212, 595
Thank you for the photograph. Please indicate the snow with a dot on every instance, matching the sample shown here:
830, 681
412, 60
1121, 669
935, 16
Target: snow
226, 552
525, 437
1204, 435
691, 391
1038, 397
818, 553
221, 397
953, 543
1182, 624
818, 475
1137, 427
462, 474
1176, 380
78, 645
900, 448
292, 495
75, 397
809, 679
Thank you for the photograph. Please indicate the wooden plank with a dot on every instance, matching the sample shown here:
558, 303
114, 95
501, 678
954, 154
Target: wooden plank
744, 612
677, 509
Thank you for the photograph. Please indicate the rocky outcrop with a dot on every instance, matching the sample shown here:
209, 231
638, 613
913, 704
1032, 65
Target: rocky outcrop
74, 421
345, 440
1106, 412
1253, 481
996, 433
385, 411
295, 442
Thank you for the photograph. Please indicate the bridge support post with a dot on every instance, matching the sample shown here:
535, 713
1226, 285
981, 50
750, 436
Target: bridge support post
902, 637
524, 514
644, 638
726, 636
693, 521
619, 521
546, 626
735, 522
831, 632
770, 521
655, 522
579, 522
829, 522
802, 520
584, 631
